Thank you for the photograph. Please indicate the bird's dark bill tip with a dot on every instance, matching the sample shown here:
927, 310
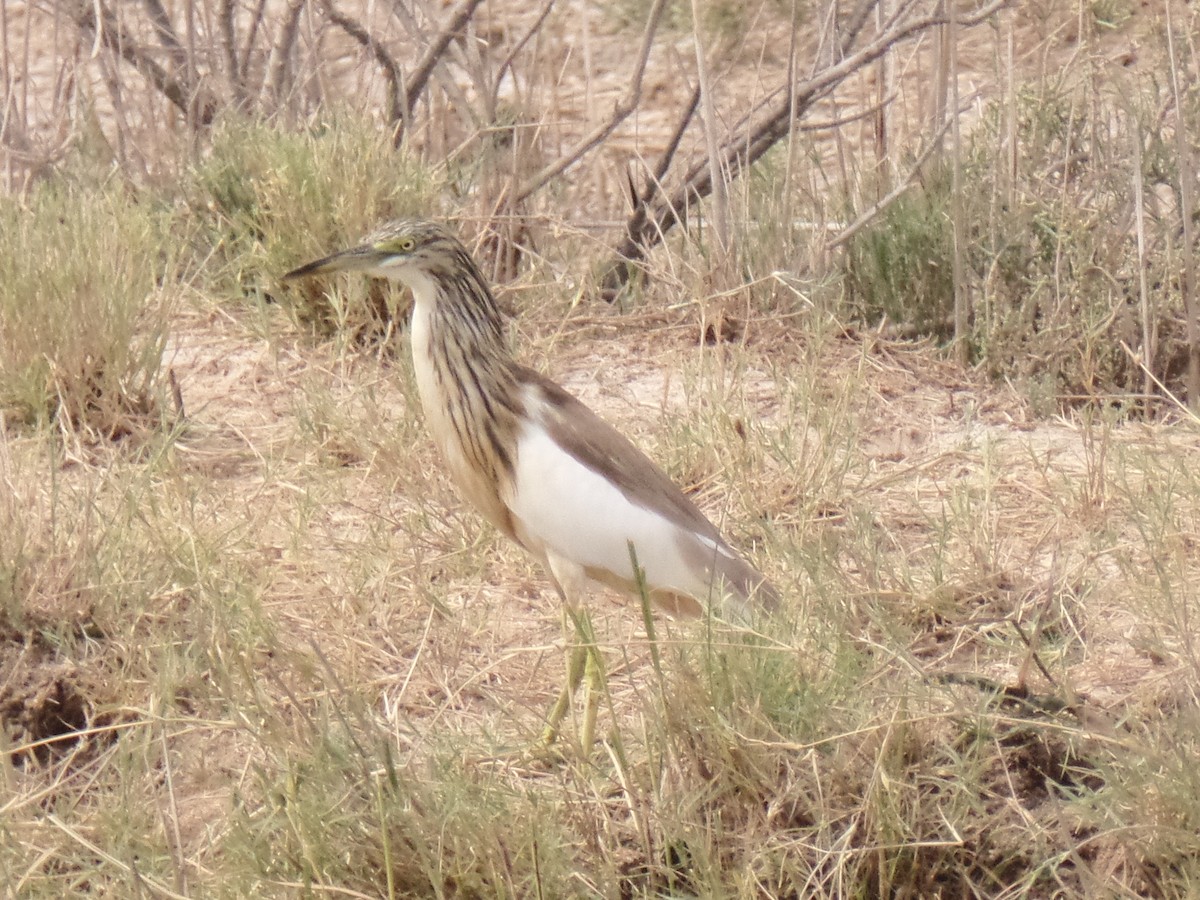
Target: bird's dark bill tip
312, 268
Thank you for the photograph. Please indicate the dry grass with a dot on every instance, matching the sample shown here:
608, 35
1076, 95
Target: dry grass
258, 647
84, 323
288, 640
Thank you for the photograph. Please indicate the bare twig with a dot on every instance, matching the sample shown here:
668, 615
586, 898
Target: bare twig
109, 33
1186, 205
773, 119
623, 108
398, 108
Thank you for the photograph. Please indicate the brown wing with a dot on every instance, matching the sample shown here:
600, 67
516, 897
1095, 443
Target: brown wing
606, 451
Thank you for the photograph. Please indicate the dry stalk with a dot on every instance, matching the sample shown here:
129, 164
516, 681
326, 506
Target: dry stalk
1187, 203
1139, 213
790, 163
624, 107
962, 301
11, 131
1010, 111
884, 86
941, 67
708, 118
6, 68
191, 75
770, 121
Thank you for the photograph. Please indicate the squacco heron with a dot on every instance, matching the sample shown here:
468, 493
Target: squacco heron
538, 464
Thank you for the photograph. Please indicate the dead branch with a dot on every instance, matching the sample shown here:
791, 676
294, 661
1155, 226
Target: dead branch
459, 17
281, 51
668, 154
161, 22
893, 195
517, 47
397, 106
765, 125
229, 48
403, 93
619, 272
111, 34
427, 66
622, 111
256, 21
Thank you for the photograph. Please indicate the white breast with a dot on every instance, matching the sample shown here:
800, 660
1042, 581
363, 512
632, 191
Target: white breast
475, 490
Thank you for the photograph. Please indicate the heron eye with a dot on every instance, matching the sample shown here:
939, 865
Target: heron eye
406, 244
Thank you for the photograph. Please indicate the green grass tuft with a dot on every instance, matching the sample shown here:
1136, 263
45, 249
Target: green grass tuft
266, 200
83, 308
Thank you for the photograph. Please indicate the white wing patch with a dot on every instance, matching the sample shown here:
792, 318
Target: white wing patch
577, 514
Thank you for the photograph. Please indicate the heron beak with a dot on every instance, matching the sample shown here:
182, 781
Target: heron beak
355, 259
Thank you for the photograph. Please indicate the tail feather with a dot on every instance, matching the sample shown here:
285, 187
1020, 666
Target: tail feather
745, 586
745, 591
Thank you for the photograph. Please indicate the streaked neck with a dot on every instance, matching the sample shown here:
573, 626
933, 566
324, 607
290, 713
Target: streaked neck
465, 371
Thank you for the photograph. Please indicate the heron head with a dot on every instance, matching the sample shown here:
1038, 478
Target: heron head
401, 250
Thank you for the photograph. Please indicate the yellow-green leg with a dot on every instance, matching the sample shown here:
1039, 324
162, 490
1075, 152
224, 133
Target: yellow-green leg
594, 687
577, 657
583, 660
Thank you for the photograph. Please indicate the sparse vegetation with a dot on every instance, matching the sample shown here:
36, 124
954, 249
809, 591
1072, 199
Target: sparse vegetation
1053, 261
84, 319
252, 643
336, 180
